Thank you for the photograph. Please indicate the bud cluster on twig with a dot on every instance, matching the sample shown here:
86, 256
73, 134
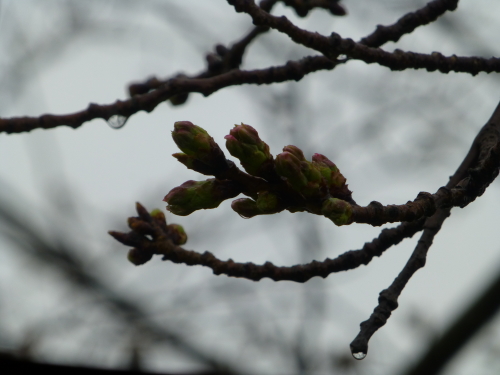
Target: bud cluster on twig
148, 230
287, 182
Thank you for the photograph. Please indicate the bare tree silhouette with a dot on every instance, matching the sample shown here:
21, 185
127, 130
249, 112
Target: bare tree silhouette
289, 181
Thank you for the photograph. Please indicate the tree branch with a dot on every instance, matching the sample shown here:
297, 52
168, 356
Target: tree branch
205, 83
293, 70
13, 366
408, 23
162, 243
335, 45
483, 155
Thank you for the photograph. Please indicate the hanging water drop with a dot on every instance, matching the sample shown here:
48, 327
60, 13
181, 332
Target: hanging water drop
117, 121
359, 356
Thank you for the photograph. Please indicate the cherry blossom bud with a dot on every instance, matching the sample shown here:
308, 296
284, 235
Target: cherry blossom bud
158, 215
268, 203
197, 195
243, 142
138, 257
335, 181
177, 234
196, 143
289, 166
246, 207
329, 171
295, 151
338, 211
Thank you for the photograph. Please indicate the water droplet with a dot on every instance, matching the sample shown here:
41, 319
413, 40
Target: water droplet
244, 217
359, 356
117, 121
341, 57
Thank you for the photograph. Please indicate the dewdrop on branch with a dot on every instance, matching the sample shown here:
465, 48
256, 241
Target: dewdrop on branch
117, 121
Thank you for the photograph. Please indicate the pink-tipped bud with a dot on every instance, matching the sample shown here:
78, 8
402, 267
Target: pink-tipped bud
268, 203
289, 167
177, 234
245, 207
338, 211
243, 142
295, 151
197, 195
335, 181
197, 144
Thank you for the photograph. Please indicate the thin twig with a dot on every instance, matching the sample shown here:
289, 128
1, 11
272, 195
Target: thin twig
335, 45
483, 154
162, 244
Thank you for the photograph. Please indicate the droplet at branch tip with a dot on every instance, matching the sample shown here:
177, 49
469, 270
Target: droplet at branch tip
359, 356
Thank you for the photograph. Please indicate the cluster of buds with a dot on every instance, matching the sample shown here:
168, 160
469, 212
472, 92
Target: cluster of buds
317, 179
288, 182
145, 230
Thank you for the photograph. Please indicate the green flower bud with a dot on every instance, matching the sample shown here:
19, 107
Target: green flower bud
295, 151
196, 143
179, 99
304, 176
335, 181
329, 171
177, 234
268, 203
289, 166
197, 195
139, 257
243, 142
338, 211
191, 139
312, 172
158, 215
246, 207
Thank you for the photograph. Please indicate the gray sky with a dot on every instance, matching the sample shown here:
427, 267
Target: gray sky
109, 170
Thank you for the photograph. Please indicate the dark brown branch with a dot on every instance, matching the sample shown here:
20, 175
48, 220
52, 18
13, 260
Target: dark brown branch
482, 158
408, 23
380, 36
466, 191
293, 70
12, 366
179, 86
163, 244
303, 7
334, 45
222, 61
